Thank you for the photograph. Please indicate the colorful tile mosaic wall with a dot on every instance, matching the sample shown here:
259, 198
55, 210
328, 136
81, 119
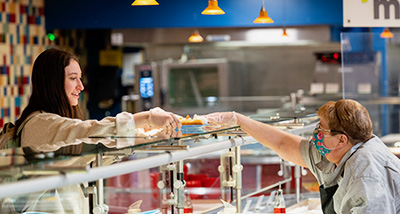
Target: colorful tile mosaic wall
22, 39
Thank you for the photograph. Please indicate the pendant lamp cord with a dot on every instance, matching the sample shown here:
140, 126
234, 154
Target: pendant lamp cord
284, 13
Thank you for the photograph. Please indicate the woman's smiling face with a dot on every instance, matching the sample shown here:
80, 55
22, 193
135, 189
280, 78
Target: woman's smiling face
73, 84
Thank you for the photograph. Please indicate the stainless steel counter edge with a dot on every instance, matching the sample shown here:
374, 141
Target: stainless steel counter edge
56, 181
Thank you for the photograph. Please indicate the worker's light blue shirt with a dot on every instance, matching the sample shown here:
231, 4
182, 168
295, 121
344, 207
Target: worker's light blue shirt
371, 178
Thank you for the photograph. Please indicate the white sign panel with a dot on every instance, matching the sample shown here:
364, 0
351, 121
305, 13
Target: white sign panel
371, 13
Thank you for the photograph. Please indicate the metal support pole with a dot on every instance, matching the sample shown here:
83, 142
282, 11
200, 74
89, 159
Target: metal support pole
237, 169
180, 188
258, 176
174, 184
99, 206
297, 176
162, 185
286, 171
99, 182
227, 178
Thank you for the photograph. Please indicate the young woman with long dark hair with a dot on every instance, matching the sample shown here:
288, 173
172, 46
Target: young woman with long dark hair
52, 115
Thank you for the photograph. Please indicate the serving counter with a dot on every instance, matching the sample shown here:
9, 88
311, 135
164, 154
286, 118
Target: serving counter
23, 171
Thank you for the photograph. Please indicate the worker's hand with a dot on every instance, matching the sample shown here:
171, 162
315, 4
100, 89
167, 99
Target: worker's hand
222, 118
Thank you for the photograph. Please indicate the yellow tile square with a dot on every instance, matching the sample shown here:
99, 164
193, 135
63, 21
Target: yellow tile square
12, 7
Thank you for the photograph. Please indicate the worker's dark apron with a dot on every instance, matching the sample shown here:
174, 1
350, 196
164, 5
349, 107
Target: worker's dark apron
327, 198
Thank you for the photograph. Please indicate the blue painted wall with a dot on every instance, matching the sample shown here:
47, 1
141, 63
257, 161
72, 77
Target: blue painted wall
107, 14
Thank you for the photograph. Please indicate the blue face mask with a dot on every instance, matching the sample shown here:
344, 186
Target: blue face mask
317, 140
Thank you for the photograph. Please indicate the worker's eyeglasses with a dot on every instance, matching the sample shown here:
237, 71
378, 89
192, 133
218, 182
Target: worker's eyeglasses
327, 131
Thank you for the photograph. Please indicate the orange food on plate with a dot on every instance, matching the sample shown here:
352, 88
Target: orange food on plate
197, 120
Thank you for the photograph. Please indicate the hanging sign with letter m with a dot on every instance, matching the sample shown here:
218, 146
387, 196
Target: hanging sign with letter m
371, 13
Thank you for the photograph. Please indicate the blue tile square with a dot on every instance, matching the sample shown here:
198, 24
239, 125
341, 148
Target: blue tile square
17, 101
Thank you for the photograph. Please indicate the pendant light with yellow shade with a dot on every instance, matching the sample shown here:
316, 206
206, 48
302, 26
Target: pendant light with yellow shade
386, 34
263, 18
213, 8
196, 37
144, 2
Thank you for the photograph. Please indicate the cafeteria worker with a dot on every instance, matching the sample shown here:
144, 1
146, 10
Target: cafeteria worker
356, 171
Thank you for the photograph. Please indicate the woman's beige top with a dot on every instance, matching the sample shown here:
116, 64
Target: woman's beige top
48, 132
